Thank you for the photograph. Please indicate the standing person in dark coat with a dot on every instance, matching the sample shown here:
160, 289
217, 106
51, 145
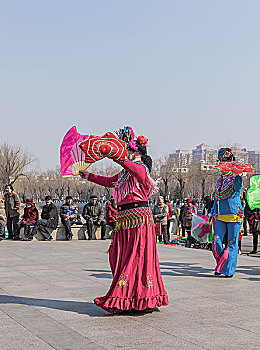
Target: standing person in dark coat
254, 221
93, 213
68, 215
2, 227
29, 217
12, 211
160, 212
49, 219
169, 215
208, 204
181, 220
247, 214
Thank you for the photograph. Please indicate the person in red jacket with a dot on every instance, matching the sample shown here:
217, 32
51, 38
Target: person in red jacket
29, 217
111, 211
169, 215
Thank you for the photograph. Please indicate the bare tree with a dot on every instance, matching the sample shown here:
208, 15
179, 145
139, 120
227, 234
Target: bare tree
13, 163
163, 168
180, 176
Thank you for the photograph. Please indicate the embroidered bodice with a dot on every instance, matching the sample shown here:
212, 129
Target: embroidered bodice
132, 184
224, 187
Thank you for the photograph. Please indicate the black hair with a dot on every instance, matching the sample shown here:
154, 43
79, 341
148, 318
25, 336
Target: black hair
48, 198
9, 185
142, 150
69, 197
147, 160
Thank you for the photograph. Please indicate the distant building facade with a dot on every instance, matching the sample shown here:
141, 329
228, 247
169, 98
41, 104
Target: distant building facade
254, 159
181, 158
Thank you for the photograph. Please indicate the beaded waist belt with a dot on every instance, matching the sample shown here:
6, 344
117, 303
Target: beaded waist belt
132, 218
132, 205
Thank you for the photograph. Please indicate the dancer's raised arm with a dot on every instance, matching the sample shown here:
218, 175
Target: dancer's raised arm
98, 179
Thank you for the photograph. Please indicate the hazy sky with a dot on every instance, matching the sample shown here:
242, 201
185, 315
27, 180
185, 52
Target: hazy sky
180, 72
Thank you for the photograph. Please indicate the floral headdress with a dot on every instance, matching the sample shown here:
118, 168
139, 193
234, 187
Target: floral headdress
126, 134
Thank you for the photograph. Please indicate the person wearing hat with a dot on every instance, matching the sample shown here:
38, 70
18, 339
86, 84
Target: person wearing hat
12, 212
93, 213
68, 215
29, 217
49, 219
229, 214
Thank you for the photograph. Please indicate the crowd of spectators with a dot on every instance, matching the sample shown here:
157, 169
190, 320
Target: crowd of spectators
169, 217
30, 220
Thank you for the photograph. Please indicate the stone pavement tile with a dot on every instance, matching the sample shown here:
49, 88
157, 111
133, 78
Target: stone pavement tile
249, 346
8, 272
47, 329
13, 336
124, 332
68, 340
202, 314
205, 333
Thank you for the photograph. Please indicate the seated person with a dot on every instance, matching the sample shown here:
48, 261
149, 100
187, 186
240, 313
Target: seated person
93, 213
29, 217
2, 227
68, 215
49, 219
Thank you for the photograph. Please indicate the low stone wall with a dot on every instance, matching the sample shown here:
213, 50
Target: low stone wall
78, 231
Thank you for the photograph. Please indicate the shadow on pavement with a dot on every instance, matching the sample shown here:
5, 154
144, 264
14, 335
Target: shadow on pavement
80, 307
185, 269
253, 272
194, 270
100, 273
86, 308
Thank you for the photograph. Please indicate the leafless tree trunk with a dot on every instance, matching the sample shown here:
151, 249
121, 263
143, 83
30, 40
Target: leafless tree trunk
13, 163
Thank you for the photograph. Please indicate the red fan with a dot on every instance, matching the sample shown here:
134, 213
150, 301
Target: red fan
97, 148
236, 167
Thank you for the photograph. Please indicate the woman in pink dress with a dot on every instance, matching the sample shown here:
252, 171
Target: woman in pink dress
137, 283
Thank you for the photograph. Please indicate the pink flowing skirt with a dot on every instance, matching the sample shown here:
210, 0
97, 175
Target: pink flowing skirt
137, 281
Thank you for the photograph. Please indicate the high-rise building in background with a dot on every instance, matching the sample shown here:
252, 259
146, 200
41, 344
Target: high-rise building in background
254, 159
241, 154
204, 153
181, 158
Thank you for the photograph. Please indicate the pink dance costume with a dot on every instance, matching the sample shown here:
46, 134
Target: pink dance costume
137, 282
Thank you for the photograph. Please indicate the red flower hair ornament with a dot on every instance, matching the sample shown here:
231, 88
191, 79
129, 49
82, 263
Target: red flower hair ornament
142, 140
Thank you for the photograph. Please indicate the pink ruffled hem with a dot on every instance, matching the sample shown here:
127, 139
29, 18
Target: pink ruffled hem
113, 304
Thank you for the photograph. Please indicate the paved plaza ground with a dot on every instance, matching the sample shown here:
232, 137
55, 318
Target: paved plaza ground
47, 288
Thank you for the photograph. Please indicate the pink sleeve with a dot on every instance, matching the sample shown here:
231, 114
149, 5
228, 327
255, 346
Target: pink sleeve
136, 170
103, 180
